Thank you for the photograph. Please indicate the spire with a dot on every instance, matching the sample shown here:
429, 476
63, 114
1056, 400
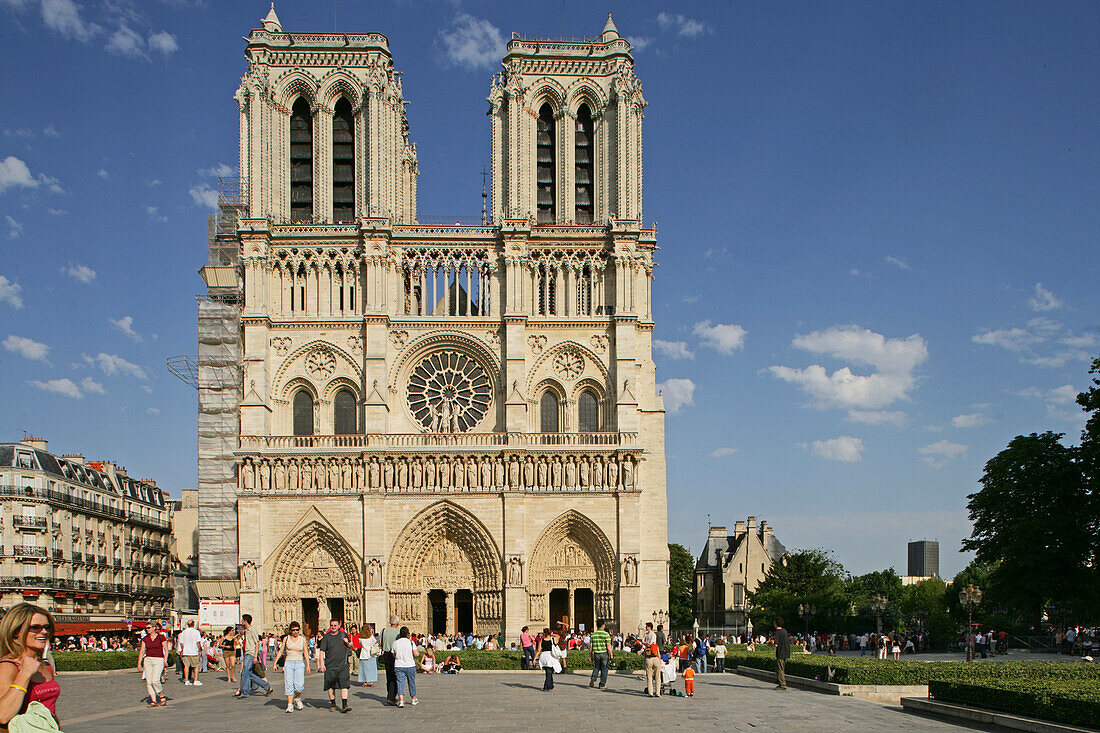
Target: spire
271, 22
610, 32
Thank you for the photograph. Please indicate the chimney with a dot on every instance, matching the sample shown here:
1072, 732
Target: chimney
74, 458
718, 532
768, 531
752, 525
739, 527
763, 526
36, 443
149, 481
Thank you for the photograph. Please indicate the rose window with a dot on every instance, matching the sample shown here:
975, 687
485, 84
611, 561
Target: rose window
448, 392
569, 364
321, 363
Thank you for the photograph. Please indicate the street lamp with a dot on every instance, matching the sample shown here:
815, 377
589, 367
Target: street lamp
805, 611
970, 596
878, 605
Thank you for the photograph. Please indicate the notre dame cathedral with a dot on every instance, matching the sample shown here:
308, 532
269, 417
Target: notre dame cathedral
457, 424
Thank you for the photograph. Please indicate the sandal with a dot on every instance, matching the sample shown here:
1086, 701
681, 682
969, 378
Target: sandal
151, 705
163, 701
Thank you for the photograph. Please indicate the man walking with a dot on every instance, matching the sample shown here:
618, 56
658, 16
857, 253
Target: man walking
389, 636
190, 642
782, 653
652, 654
249, 679
601, 654
661, 638
333, 663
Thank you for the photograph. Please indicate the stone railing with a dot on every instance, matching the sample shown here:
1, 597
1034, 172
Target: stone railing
435, 441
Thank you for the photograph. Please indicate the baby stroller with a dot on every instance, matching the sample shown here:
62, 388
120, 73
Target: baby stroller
669, 665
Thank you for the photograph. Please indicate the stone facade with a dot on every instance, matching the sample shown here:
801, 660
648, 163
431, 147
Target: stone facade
456, 424
729, 567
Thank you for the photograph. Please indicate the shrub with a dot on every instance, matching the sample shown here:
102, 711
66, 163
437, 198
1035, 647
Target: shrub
99, 661
577, 659
1073, 702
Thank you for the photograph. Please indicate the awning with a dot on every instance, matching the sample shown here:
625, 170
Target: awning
30, 593
83, 627
217, 589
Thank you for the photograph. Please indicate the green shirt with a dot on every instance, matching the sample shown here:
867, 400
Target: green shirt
389, 636
601, 642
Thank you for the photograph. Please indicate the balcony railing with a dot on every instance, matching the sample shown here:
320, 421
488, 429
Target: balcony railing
47, 583
435, 441
26, 522
92, 507
30, 551
58, 554
78, 556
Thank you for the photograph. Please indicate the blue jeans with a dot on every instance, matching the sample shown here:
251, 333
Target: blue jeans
719, 664
248, 679
701, 665
528, 657
294, 677
600, 663
406, 676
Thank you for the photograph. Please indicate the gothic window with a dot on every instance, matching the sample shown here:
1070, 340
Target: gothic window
303, 413
449, 392
544, 170
343, 162
588, 413
547, 295
583, 140
301, 162
343, 417
548, 412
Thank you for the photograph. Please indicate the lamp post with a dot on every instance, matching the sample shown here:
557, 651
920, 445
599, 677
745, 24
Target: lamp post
878, 605
805, 611
970, 596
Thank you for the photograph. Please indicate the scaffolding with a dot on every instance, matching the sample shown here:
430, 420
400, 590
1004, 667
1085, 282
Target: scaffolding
221, 228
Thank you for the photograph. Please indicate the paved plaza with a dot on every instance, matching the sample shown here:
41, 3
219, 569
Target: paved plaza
482, 701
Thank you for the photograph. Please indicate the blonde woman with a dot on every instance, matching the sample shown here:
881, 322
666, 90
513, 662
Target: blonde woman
295, 666
25, 677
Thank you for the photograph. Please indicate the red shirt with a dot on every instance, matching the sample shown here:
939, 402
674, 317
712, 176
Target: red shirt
154, 644
44, 692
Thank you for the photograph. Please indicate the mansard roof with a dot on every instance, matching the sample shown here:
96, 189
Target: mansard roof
21, 456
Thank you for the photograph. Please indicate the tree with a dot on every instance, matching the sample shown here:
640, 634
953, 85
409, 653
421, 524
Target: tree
808, 577
1089, 456
862, 591
681, 582
924, 607
1028, 525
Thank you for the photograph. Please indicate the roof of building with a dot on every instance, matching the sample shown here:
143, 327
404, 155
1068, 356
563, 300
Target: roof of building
729, 545
19, 455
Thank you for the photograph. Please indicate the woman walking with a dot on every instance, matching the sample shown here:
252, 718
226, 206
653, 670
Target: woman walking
404, 665
25, 676
295, 666
151, 655
368, 657
547, 659
228, 644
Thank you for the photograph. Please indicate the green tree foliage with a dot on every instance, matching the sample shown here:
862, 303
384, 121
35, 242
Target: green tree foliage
1089, 453
809, 577
862, 591
923, 606
681, 583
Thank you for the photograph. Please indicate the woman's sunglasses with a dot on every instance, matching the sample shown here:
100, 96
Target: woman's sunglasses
36, 628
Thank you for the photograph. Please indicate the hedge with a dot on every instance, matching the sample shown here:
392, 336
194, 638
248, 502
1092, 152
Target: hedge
577, 659
1072, 702
98, 661
871, 671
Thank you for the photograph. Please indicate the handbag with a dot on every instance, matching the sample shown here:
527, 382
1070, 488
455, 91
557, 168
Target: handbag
557, 652
259, 670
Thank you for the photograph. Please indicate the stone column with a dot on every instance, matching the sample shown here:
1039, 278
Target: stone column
452, 619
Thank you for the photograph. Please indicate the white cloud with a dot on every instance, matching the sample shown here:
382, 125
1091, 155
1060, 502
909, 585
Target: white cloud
969, 420
723, 451
940, 453
682, 25
1064, 395
690, 299
845, 449
640, 43
111, 365
50, 131
9, 292
673, 349
55, 212
1044, 300
154, 214
898, 262
126, 325
221, 170
677, 393
60, 386
76, 271
1041, 342
26, 348
146, 389
126, 42
472, 43
153, 411
894, 361
204, 196
102, 173
91, 386
878, 417
14, 227
15, 173
163, 43
63, 16
722, 337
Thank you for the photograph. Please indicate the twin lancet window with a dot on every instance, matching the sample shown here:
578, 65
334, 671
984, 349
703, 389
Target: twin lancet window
302, 159
546, 152
344, 420
588, 413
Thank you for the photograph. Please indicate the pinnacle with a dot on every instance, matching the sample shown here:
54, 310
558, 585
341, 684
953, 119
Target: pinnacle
271, 22
610, 32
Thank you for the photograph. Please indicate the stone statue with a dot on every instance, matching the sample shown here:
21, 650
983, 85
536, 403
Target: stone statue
429, 474
248, 575
542, 474
345, 475
570, 473
372, 473
513, 473
471, 474
292, 474
320, 474
630, 571
583, 471
498, 473
515, 571
387, 474
360, 474
374, 573
459, 470
403, 474
265, 476
597, 473
248, 476
612, 473
307, 475
280, 475
555, 473
417, 474
334, 474
628, 473
443, 469
528, 473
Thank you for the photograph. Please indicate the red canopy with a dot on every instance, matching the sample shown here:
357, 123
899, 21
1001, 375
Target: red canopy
83, 627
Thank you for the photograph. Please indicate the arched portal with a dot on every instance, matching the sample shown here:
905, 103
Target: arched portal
572, 574
316, 577
445, 573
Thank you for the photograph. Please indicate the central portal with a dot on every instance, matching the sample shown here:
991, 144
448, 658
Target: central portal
464, 611
437, 611
559, 607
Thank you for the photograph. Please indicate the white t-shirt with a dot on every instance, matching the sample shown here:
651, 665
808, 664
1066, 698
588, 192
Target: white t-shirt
189, 642
403, 653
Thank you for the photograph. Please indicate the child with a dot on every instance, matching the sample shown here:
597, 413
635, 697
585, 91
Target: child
689, 681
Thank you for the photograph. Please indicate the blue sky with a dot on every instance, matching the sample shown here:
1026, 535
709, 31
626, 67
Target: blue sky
877, 223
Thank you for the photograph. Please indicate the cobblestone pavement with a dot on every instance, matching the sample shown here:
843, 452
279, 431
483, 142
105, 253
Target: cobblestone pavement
499, 701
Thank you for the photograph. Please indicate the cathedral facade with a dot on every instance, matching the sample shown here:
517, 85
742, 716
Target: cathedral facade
456, 424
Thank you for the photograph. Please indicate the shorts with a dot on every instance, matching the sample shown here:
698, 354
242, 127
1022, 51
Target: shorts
190, 661
337, 679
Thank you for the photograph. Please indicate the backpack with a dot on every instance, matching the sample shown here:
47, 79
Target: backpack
652, 650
